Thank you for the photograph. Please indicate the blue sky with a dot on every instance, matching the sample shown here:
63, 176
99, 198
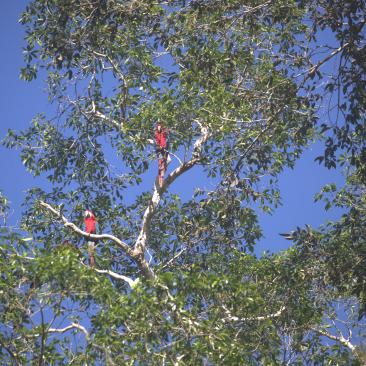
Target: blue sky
21, 101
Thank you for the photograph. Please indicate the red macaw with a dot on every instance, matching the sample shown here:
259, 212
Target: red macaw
161, 140
90, 227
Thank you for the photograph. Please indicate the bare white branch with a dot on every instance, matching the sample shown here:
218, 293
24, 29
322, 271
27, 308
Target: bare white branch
344, 341
69, 327
132, 283
86, 235
140, 260
94, 112
231, 318
142, 239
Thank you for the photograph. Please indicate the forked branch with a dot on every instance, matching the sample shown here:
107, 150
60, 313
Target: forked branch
138, 251
341, 339
141, 262
83, 233
143, 237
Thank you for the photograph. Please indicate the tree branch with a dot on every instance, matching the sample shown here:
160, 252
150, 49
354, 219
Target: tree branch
171, 260
87, 337
121, 77
140, 260
105, 118
316, 67
142, 239
132, 283
69, 327
83, 330
97, 114
11, 353
345, 342
138, 252
231, 318
270, 122
86, 235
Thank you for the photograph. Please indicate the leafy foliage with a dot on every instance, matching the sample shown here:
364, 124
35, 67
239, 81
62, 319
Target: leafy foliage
237, 84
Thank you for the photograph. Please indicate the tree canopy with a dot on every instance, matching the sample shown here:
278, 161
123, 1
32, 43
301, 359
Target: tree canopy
241, 86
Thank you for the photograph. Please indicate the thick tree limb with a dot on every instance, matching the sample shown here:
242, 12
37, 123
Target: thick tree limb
141, 242
141, 262
86, 235
138, 252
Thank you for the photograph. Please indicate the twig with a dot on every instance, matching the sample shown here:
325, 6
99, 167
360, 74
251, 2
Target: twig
176, 156
174, 258
11, 353
43, 338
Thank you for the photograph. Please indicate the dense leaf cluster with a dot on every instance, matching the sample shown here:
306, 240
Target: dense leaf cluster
241, 86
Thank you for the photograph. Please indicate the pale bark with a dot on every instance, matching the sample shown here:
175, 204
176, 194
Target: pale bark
142, 240
138, 251
231, 318
140, 260
341, 339
132, 283
83, 233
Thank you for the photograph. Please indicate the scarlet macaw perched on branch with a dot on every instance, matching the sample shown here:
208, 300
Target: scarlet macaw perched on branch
90, 227
161, 137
